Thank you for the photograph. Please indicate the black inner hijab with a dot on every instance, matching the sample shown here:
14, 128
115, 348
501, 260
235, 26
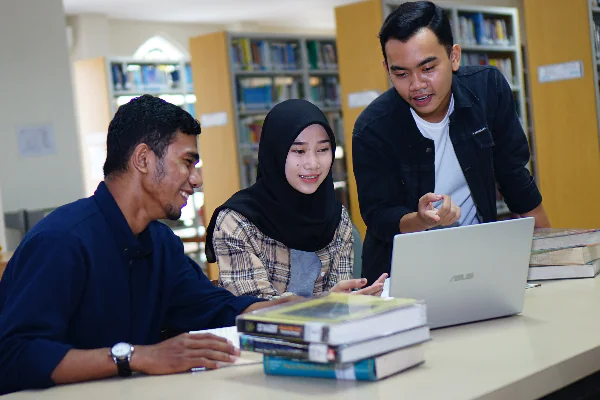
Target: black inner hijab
299, 221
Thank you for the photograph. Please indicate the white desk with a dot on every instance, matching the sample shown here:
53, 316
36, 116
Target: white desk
555, 342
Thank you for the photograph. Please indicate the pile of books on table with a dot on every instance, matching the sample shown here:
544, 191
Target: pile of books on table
564, 254
339, 336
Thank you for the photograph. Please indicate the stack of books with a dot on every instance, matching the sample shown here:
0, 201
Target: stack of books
564, 254
338, 336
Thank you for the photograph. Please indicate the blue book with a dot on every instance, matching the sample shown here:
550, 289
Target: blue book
370, 369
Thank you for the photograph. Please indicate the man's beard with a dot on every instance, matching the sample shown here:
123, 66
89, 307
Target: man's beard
173, 213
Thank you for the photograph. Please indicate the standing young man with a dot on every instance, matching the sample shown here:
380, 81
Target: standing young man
428, 152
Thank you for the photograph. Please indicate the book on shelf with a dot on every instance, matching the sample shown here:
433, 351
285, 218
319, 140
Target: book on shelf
597, 40
326, 91
264, 93
557, 238
341, 354
264, 55
145, 76
335, 319
475, 29
321, 55
578, 255
371, 369
589, 270
503, 64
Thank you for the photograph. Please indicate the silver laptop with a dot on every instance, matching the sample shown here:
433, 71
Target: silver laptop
464, 274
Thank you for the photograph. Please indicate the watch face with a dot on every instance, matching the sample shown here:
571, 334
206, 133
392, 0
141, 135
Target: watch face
121, 349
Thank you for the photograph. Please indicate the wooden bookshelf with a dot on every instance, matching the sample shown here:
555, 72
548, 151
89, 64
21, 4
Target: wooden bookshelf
361, 70
565, 112
239, 77
102, 85
360, 57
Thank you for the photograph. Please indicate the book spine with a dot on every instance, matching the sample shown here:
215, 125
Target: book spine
315, 352
361, 371
277, 330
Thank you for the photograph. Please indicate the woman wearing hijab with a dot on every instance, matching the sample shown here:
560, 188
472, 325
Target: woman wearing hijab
287, 233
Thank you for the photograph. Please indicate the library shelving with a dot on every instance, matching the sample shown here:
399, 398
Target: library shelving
565, 109
594, 20
487, 36
239, 77
102, 85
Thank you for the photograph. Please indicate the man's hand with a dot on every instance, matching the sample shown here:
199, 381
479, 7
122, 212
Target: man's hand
182, 353
348, 286
448, 212
427, 216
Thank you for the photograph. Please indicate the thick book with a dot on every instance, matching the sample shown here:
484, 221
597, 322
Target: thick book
335, 319
323, 353
556, 238
371, 369
564, 271
580, 255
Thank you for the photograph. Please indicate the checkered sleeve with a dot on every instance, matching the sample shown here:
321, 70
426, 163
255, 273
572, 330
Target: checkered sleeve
342, 248
240, 269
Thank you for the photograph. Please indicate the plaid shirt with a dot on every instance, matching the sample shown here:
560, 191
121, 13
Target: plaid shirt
251, 263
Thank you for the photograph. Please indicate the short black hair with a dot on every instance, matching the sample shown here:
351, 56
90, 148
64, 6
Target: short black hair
410, 17
145, 119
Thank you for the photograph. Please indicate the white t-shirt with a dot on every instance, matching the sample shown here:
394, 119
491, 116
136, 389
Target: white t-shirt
449, 177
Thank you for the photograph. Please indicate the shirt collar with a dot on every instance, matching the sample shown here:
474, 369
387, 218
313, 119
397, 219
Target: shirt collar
120, 230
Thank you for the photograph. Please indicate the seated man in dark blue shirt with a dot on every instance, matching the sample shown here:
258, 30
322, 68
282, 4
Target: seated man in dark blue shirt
430, 152
92, 286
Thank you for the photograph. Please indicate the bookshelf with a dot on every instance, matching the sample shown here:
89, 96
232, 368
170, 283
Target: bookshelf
565, 112
239, 77
102, 85
594, 20
487, 35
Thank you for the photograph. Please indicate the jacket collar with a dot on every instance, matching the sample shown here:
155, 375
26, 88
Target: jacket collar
130, 245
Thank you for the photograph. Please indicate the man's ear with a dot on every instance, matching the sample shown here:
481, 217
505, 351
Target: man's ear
385, 66
455, 55
140, 158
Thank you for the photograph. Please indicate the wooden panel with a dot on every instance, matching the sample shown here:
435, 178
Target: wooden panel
359, 58
217, 144
93, 109
564, 113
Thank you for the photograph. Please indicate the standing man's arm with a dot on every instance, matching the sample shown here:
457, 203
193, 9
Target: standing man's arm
380, 192
541, 218
511, 155
380, 195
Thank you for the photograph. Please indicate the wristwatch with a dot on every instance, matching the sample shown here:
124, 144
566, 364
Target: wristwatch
121, 354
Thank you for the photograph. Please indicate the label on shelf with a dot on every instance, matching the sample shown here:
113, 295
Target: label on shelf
213, 119
362, 99
560, 72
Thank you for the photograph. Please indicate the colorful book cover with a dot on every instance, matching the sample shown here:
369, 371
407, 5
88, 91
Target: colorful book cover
334, 308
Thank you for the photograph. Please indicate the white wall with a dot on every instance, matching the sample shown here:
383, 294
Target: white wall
36, 89
90, 36
119, 37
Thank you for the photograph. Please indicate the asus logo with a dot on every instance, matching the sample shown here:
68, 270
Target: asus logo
462, 277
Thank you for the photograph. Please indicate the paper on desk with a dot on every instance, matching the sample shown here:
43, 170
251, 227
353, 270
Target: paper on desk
230, 333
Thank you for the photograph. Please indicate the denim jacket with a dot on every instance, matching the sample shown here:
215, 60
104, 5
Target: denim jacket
394, 164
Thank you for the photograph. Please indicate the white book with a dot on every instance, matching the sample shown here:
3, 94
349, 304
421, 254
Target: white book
564, 271
230, 333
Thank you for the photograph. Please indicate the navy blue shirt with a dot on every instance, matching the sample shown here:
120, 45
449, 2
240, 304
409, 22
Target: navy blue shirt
394, 164
81, 279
